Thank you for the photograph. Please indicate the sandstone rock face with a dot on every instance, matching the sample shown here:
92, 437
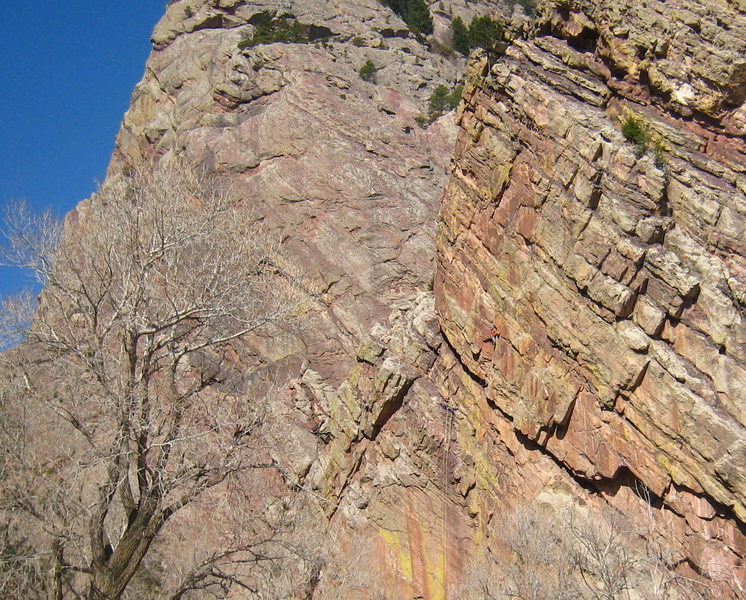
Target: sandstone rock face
586, 332
338, 163
594, 287
338, 166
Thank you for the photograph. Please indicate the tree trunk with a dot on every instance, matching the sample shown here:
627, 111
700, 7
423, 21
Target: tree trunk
111, 576
56, 568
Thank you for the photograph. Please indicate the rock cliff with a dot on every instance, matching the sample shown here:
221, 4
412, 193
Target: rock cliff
339, 162
585, 341
591, 269
340, 168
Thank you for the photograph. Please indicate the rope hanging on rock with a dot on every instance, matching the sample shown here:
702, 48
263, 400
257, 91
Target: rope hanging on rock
450, 411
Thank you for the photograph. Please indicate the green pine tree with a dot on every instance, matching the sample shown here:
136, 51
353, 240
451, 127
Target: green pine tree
368, 71
485, 33
417, 17
455, 96
415, 13
460, 36
439, 102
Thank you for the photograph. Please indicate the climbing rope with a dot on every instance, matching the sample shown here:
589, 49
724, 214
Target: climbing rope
444, 531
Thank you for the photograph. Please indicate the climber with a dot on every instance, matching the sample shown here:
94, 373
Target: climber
451, 409
493, 335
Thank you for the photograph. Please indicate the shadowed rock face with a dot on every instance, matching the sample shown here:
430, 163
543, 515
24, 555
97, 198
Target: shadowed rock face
587, 322
595, 288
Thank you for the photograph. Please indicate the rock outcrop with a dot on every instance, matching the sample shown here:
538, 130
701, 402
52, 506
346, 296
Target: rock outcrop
585, 340
338, 164
339, 167
592, 283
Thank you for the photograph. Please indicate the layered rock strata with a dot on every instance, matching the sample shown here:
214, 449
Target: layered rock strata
593, 285
587, 335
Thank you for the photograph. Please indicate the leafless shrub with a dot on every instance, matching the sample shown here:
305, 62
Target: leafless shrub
16, 313
31, 239
555, 552
601, 554
539, 565
260, 554
348, 569
21, 574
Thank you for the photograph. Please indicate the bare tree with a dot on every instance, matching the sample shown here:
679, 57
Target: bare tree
601, 555
125, 390
348, 568
261, 553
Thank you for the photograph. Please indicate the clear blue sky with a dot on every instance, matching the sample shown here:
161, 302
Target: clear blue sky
67, 70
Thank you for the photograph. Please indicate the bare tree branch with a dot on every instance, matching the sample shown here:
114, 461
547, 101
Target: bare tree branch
125, 360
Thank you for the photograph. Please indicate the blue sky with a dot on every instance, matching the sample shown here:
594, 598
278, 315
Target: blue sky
67, 70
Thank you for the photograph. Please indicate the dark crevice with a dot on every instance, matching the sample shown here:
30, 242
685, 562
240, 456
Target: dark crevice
595, 197
664, 208
345, 485
215, 22
474, 377
638, 379
390, 409
689, 300
560, 429
616, 70
318, 32
704, 573
625, 478
586, 41
645, 78
390, 33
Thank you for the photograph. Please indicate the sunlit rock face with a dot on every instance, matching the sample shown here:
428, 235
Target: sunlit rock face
338, 164
339, 167
591, 274
585, 339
